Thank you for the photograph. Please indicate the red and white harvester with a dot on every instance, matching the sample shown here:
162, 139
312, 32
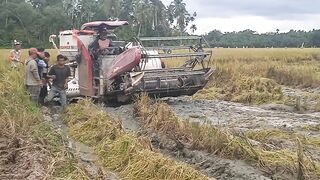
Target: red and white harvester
111, 70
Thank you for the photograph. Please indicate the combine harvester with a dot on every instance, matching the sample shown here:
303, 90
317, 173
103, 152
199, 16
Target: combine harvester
110, 70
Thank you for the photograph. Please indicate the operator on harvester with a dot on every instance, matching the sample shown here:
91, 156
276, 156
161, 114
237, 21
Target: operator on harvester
101, 46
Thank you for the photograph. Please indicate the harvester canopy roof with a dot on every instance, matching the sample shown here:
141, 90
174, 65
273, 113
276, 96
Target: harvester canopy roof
108, 24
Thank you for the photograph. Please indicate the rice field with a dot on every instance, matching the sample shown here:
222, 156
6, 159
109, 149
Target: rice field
247, 76
228, 54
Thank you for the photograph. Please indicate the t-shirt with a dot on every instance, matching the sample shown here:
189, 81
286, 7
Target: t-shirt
16, 54
41, 66
31, 73
45, 70
61, 73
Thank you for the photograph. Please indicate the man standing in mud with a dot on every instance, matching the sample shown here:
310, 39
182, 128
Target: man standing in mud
59, 73
32, 79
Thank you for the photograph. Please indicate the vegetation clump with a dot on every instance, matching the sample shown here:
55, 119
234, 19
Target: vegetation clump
131, 157
239, 88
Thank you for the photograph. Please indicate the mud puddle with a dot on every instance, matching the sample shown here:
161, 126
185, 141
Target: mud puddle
239, 116
84, 153
125, 114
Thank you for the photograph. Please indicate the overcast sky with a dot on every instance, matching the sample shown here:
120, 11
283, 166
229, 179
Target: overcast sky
259, 15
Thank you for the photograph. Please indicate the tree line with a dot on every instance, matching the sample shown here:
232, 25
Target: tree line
251, 39
32, 21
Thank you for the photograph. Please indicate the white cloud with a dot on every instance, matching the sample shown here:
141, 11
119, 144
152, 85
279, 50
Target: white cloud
256, 23
261, 16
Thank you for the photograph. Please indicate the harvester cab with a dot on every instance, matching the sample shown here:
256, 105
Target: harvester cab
109, 69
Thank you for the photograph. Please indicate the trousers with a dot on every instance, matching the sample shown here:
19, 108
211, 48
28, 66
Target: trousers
34, 92
54, 91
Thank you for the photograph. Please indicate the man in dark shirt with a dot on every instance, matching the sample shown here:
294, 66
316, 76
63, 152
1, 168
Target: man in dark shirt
59, 73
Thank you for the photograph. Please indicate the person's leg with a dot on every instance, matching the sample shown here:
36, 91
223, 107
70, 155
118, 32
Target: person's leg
34, 92
63, 98
43, 94
51, 95
14, 65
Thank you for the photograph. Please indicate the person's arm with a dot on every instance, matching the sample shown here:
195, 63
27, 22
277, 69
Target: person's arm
41, 63
11, 56
35, 72
51, 74
68, 74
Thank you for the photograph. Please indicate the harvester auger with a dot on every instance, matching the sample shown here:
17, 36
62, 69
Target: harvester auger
108, 69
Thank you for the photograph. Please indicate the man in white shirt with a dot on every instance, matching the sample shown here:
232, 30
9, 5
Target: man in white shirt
15, 54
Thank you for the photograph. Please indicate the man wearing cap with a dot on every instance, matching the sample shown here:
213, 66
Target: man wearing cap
15, 54
32, 79
59, 73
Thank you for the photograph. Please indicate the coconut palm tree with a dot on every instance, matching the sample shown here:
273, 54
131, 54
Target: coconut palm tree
179, 15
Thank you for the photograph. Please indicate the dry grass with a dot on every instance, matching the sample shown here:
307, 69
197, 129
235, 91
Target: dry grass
255, 75
160, 118
231, 86
131, 157
25, 138
4, 54
251, 75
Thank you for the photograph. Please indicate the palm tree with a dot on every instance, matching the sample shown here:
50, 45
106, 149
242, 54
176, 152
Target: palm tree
193, 28
144, 15
177, 12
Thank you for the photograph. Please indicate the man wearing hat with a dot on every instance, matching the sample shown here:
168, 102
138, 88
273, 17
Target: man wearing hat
15, 54
32, 79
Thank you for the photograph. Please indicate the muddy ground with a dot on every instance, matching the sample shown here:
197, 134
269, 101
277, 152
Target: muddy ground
229, 115
20, 159
213, 166
235, 116
242, 117
84, 154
